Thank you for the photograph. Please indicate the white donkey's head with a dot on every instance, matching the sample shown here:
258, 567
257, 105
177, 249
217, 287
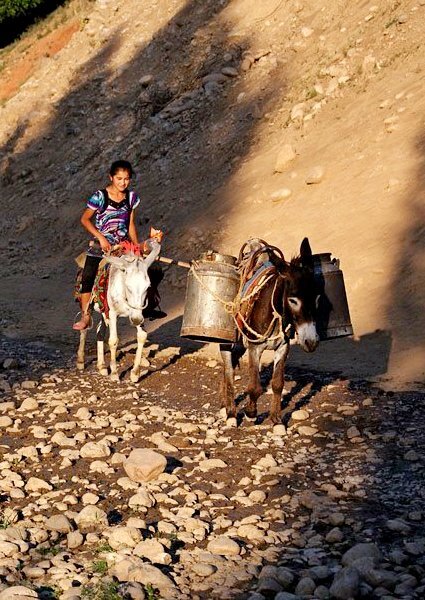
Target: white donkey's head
129, 282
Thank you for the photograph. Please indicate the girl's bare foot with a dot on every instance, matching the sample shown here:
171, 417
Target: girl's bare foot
83, 323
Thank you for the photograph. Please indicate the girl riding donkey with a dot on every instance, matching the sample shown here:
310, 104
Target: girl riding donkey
113, 210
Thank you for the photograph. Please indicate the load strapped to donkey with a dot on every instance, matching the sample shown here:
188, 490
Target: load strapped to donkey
258, 302
222, 290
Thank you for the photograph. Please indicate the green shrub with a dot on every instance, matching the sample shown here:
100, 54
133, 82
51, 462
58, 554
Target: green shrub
11, 9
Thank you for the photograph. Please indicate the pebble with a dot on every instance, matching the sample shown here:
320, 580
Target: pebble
315, 175
281, 194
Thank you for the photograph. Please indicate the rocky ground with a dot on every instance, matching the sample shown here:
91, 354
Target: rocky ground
243, 118
330, 504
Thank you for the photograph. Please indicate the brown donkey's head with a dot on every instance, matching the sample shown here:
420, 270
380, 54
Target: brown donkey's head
301, 297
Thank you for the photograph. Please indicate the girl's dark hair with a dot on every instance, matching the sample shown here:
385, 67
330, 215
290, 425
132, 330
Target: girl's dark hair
120, 165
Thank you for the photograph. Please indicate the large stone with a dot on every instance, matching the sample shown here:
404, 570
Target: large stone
315, 175
95, 450
91, 518
144, 464
124, 537
285, 156
346, 584
361, 551
17, 592
34, 484
134, 569
58, 523
142, 499
153, 550
223, 546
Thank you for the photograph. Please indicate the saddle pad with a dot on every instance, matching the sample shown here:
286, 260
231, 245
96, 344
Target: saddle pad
266, 269
246, 303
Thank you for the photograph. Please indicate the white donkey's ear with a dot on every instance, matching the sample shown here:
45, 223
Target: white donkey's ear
153, 254
116, 261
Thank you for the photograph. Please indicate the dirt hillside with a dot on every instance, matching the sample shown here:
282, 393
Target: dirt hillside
208, 99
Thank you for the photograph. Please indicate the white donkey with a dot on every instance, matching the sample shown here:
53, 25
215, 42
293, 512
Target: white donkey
127, 290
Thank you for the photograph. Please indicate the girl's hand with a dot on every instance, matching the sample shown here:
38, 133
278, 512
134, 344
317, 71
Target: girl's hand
104, 244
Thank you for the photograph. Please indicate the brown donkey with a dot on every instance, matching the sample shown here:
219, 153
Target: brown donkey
274, 305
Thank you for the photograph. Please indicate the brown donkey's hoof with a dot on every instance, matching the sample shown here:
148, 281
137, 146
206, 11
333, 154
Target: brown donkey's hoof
251, 413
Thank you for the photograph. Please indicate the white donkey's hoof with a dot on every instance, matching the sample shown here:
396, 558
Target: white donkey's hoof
115, 377
80, 366
134, 377
103, 371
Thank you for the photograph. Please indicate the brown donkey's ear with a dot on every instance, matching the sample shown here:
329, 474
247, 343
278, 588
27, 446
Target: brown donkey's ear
306, 254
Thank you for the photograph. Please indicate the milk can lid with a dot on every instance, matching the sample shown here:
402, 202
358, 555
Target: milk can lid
213, 256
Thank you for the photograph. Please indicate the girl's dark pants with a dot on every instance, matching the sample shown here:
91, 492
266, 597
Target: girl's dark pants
89, 273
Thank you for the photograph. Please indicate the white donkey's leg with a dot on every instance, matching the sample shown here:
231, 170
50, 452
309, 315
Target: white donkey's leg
80, 351
113, 344
141, 339
100, 335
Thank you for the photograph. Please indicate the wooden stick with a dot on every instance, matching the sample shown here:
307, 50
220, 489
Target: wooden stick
171, 261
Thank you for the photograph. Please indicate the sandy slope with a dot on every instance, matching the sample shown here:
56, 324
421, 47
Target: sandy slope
342, 84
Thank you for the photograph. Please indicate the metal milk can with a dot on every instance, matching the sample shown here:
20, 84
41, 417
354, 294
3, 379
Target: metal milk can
211, 282
333, 319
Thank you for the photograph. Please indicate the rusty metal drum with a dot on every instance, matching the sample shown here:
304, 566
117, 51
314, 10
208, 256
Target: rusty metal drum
333, 319
211, 283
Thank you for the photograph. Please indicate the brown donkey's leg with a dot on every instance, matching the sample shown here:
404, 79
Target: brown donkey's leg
254, 387
228, 391
278, 379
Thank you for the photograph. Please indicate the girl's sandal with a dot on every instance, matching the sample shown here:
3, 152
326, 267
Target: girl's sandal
83, 323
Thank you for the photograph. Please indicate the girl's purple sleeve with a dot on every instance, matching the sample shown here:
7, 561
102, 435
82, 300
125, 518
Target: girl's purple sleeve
95, 201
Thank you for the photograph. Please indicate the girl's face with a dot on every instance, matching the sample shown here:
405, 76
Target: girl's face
121, 180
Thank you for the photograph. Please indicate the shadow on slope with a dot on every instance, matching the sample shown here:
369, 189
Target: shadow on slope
190, 134
406, 305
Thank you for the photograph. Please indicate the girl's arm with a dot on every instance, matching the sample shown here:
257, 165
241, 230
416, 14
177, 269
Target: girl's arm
87, 224
132, 232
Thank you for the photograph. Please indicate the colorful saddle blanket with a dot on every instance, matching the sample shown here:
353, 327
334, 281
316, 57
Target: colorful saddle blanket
100, 288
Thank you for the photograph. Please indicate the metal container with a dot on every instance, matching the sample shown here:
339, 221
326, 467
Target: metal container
333, 318
212, 280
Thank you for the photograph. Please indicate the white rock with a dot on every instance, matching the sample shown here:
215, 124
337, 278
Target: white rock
300, 415
83, 413
74, 539
134, 569
251, 532
307, 430
204, 569
34, 484
8, 548
279, 430
17, 592
144, 464
95, 450
224, 546
153, 550
58, 523
5, 422
91, 518
124, 537
258, 496
89, 498
28, 404
315, 175
285, 156
212, 463
281, 194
